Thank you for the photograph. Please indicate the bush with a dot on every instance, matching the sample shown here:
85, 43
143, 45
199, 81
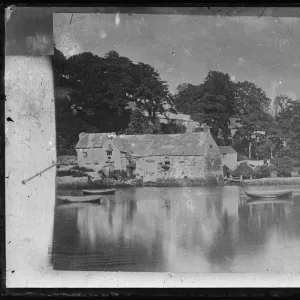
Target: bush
226, 171
79, 174
244, 170
64, 173
284, 166
120, 175
82, 169
71, 172
241, 157
262, 171
102, 173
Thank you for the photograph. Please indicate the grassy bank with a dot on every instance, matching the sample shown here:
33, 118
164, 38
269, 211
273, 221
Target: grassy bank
74, 183
273, 181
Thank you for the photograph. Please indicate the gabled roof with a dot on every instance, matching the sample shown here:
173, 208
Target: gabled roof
148, 145
166, 144
226, 150
91, 140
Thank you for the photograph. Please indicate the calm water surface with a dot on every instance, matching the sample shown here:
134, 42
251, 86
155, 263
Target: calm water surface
179, 230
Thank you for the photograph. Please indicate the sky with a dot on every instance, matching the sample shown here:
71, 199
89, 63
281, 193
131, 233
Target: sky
184, 48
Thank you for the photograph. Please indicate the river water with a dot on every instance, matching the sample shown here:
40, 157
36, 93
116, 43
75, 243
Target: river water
190, 229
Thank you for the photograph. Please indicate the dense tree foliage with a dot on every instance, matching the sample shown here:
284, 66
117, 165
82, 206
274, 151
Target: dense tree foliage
93, 92
139, 124
211, 102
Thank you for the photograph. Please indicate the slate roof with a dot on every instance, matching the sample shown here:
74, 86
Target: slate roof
148, 145
226, 150
89, 140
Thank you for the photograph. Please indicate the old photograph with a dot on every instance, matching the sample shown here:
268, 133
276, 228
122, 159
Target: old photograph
178, 143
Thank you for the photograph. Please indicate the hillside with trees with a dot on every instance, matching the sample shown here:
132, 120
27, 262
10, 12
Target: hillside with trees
92, 94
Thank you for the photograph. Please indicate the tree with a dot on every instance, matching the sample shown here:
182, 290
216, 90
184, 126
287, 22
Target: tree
251, 105
243, 170
185, 99
150, 93
288, 124
173, 128
211, 103
139, 124
281, 103
283, 165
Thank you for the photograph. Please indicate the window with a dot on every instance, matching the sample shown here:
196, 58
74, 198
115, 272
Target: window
210, 146
84, 154
109, 153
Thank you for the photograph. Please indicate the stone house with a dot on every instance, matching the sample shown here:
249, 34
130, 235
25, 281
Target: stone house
229, 157
175, 156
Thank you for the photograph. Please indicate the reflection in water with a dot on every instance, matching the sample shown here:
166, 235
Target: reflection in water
179, 230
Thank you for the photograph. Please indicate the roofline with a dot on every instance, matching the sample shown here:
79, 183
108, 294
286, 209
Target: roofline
87, 147
138, 156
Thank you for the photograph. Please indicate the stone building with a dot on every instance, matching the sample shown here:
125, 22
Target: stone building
175, 156
229, 157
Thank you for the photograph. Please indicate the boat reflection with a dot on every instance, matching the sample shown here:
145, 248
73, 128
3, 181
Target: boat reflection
177, 230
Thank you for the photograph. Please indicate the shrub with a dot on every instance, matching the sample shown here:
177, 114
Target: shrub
241, 157
71, 172
64, 173
102, 173
283, 166
79, 174
226, 171
262, 171
119, 174
244, 170
82, 169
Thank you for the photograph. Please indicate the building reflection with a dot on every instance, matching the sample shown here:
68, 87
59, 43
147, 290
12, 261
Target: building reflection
175, 230
106, 238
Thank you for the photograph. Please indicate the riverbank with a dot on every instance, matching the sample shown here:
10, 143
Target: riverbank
70, 182
272, 181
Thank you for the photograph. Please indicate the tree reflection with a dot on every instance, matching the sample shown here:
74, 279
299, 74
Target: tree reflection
257, 220
222, 250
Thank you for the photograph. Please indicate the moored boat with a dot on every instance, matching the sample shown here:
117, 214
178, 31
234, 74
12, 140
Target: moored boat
99, 192
270, 194
79, 198
77, 205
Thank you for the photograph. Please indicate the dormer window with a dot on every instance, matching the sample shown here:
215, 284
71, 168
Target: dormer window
109, 150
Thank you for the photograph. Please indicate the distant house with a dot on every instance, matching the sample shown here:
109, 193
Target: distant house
252, 163
191, 155
164, 120
229, 156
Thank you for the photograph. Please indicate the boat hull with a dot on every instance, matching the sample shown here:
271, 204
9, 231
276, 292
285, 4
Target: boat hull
99, 192
79, 199
269, 195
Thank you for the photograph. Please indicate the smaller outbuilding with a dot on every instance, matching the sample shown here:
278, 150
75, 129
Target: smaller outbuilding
229, 157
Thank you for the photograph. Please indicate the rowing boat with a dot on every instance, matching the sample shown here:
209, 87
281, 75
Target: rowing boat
77, 205
79, 198
269, 194
100, 192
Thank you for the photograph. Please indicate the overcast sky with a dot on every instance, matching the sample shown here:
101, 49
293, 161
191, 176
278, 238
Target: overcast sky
183, 48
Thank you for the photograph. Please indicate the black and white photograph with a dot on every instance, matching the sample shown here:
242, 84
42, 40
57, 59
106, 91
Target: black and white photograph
178, 143
152, 147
